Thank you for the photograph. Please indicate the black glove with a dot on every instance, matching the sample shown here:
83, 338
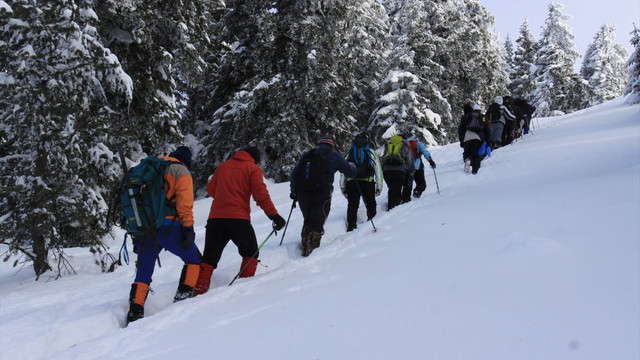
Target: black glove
293, 196
278, 221
188, 237
432, 163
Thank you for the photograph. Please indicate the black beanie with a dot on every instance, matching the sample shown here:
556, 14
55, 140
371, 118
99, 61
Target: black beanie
254, 152
183, 154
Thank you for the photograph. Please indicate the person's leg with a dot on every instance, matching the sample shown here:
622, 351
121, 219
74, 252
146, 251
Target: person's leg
215, 241
353, 203
368, 189
421, 183
244, 236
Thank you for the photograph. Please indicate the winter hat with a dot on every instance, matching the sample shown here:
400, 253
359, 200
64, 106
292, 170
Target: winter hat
498, 100
325, 140
183, 154
254, 152
477, 107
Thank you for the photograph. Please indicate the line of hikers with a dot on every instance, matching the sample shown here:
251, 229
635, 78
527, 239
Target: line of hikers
506, 120
238, 179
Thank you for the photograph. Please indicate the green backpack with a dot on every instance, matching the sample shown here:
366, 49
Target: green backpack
393, 153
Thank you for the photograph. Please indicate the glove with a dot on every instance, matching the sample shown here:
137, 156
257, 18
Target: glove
278, 221
293, 196
488, 151
432, 163
188, 237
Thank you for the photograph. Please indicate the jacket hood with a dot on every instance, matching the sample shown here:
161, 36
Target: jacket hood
243, 156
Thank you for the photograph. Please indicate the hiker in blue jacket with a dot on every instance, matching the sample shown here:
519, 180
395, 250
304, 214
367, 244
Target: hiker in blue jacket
418, 150
314, 192
368, 182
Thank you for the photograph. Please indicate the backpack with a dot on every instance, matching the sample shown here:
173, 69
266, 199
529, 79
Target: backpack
413, 145
359, 154
494, 112
313, 172
393, 154
143, 197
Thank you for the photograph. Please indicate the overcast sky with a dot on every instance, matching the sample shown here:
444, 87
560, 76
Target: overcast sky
587, 18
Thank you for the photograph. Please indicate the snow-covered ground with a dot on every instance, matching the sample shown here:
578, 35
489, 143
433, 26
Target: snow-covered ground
536, 257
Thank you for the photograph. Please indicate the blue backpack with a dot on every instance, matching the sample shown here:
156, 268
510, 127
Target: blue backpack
143, 197
359, 155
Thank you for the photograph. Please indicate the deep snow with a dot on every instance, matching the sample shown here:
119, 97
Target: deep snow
536, 257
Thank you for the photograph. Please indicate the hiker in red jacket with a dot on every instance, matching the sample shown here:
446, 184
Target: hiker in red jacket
231, 187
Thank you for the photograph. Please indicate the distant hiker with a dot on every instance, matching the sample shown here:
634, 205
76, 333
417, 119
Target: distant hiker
508, 134
231, 187
176, 236
312, 186
498, 116
523, 111
473, 131
367, 182
418, 150
398, 169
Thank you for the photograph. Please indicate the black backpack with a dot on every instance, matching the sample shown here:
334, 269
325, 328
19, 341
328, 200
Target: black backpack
494, 112
313, 174
359, 155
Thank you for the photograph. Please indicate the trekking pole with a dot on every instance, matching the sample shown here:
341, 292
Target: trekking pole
254, 255
434, 175
293, 205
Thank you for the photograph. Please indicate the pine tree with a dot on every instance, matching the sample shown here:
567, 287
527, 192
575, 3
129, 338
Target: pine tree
508, 48
475, 59
524, 58
633, 68
160, 45
59, 88
559, 89
604, 65
409, 101
296, 70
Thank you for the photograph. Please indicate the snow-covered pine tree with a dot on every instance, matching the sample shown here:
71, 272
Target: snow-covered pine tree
59, 86
524, 58
296, 70
508, 48
558, 88
473, 57
160, 45
633, 68
408, 98
604, 65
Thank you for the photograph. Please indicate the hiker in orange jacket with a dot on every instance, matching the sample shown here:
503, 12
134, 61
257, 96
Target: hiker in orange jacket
231, 187
176, 236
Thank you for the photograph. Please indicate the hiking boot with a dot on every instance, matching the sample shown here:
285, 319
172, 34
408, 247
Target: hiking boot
467, 165
204, 279
417, 194
136, 312
351, 227
310, 242
188, 279
249, 264
306, 245
137, 297
183, 292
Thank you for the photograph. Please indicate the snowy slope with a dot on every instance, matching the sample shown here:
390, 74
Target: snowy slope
536, 257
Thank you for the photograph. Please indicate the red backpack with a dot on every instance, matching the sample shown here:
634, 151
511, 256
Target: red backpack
413, 145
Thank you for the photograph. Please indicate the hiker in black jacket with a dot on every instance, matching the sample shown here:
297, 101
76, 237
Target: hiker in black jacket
473, 131
313, 192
